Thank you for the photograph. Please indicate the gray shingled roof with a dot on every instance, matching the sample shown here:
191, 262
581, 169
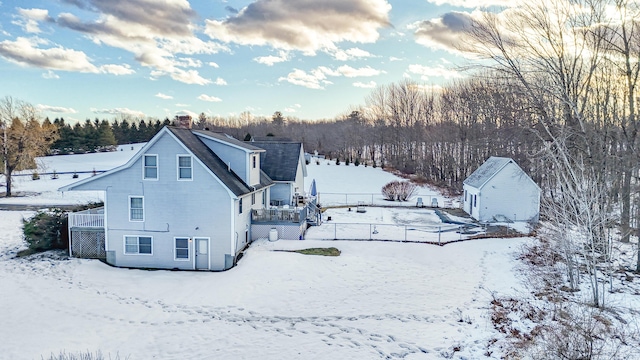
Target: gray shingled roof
228, 139
486, 171
281, 159
214, 163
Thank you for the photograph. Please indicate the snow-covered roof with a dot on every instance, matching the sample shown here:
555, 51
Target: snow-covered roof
486, 171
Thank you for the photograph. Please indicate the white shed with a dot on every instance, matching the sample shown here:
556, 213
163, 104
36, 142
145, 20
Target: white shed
500, 190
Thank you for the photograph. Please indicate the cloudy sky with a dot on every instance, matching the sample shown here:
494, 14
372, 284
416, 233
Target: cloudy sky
311, 59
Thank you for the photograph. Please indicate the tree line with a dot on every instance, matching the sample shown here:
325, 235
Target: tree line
102, 135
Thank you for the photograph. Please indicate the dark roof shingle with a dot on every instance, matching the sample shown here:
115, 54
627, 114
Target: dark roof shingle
281, 159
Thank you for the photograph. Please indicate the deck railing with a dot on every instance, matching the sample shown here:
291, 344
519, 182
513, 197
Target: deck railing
92, 218
296, 215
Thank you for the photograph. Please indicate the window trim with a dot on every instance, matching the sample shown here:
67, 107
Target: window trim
178, 156
144, 167
124, 245
130, 217
175, 248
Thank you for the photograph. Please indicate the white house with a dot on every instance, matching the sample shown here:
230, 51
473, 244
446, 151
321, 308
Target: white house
184, 201
500, 190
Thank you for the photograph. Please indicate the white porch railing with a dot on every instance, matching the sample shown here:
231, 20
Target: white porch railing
92, 218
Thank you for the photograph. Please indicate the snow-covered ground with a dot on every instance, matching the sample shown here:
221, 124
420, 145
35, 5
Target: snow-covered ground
376, 300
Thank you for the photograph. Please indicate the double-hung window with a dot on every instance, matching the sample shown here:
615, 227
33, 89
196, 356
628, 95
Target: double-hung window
150, 167
136, 208
138, 245
253, 198
182, 248
185, 168
254, 159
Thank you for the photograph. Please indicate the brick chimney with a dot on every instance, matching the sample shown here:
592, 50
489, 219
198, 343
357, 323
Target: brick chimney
185, 121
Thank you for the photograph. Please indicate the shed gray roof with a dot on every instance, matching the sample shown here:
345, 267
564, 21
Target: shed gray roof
214, 163
281, 159
486, 171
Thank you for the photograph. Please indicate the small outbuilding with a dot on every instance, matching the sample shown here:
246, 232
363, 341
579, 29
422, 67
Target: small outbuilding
499, 190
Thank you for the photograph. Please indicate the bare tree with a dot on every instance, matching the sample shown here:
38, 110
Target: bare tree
23, 137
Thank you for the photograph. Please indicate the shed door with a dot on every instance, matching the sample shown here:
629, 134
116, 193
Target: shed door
202, 253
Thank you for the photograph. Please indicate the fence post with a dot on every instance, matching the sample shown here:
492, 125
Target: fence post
460, 231
370, 237
439, 234
346, 199
405, 233
371, 199
335, 231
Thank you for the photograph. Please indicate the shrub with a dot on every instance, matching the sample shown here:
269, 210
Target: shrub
357, 162
35, 176
337, 161
374, 164
81, 356
46, 230
399, 190
346, 162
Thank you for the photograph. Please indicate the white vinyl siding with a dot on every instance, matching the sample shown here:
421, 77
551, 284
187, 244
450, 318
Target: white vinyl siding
181, 248
185, 167
138, 245
150, 165
136, 208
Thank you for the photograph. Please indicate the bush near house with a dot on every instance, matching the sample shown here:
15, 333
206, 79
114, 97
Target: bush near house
46, 230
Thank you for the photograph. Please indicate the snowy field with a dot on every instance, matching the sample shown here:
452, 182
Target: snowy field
377, 300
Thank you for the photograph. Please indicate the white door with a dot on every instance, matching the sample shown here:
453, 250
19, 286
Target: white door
202, 253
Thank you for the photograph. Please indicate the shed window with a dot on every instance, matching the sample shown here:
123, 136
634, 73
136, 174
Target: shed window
465, 195
240, 206
254, 161
253, 198
136, 208
475, 200
138, 245
151, 167
184, 167
182, 248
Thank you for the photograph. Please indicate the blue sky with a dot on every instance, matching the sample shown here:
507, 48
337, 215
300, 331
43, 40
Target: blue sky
311, 59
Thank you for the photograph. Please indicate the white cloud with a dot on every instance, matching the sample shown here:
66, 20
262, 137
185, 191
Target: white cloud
220, 81
213, 64
350, 54
393, 58
187, 112
473, 4
29, 19
209, 98
182, 105
444, 33
317, 78
369, 85
26, 52
348, 71
164, 96
118, 111
55, 109
155, 32
117, 69
50, 75
306, 25
293, 108
427, 72
272, 59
